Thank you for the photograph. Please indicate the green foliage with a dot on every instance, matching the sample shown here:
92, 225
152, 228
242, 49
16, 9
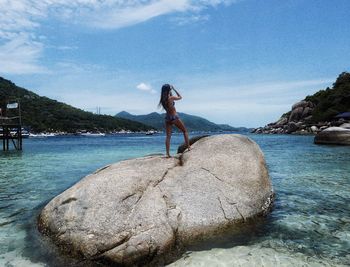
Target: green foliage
45, 114
332, 101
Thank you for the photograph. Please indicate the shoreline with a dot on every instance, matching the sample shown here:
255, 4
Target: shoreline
101, 133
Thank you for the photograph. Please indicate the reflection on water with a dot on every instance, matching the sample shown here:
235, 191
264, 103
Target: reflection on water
310, 223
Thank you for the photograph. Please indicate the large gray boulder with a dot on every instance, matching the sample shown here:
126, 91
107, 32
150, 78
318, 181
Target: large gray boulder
301, 110
292, 127
333, 136
296, 114
300, 104
140, 211
303, 104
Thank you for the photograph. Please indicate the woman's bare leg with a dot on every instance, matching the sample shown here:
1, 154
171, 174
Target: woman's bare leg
179, 124
167, 139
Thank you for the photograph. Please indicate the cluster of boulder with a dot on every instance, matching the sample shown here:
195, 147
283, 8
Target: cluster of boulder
298, 121
140, 211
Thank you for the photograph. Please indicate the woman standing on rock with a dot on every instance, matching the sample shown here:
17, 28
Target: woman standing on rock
167, 101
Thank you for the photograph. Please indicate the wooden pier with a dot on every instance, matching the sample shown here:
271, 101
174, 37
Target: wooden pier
11, 133
11, 126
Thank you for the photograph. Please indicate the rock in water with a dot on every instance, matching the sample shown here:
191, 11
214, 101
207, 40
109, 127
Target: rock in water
138, 211
333, 136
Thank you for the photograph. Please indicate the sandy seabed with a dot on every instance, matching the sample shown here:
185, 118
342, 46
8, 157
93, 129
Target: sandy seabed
254, 255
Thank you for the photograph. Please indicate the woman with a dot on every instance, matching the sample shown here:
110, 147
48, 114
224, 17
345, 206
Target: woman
167, 101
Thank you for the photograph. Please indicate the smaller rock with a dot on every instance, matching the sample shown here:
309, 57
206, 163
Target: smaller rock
335, 129
321, 123
314, 129
345, 125
258, 130
333, 136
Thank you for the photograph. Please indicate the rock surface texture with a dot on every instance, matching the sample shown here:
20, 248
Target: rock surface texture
334, 135
138, 211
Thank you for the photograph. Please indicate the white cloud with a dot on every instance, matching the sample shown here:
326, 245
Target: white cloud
65, 47
21, 18
122, 17
20, 55
189, 19
118, 14
146, 87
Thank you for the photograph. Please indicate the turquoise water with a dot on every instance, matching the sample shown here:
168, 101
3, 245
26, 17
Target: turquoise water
310, 219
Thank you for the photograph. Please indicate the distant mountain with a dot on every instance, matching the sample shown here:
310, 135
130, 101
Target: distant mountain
44, 114
193, 123
153, 119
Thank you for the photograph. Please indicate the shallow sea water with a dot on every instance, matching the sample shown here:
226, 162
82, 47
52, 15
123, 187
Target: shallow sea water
309, 225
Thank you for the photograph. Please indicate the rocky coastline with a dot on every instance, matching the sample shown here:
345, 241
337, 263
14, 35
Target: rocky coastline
299, 121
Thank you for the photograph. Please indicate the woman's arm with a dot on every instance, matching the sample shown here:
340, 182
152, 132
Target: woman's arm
178, 97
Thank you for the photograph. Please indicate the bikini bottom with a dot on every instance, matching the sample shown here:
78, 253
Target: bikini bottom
171, 118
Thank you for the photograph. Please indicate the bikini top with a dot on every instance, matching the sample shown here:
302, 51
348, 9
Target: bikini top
173, 103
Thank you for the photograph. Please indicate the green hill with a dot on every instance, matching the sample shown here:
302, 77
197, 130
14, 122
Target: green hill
193, 123
44, 114
331, 101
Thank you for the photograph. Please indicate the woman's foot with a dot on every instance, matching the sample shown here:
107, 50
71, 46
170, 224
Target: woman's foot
168, 156
187, 149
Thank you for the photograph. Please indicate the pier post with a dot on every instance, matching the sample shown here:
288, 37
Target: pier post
7, 138
3, 138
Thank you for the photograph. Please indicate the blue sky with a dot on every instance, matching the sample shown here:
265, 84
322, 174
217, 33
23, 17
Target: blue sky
242, 62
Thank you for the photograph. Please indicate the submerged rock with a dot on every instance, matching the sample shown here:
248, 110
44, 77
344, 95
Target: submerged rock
333, 136
140, 211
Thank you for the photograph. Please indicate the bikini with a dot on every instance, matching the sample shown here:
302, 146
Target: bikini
171, 118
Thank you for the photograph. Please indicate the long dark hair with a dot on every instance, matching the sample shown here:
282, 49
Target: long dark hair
164, 96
